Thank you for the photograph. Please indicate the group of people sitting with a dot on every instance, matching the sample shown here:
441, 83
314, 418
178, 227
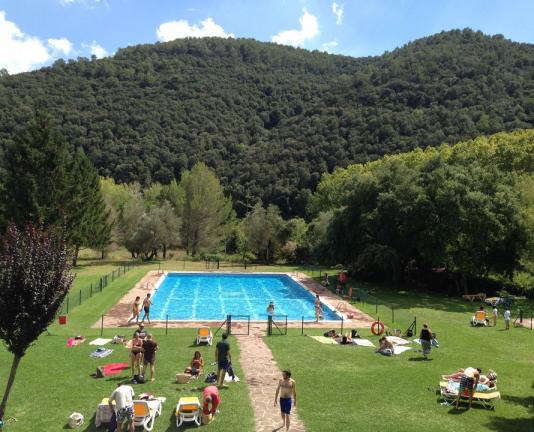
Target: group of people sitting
345, 339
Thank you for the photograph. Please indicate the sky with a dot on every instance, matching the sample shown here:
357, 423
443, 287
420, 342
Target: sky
35, 33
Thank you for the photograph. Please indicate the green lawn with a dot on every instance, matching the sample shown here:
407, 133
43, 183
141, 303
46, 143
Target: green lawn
53, 380
346, 388
340, 388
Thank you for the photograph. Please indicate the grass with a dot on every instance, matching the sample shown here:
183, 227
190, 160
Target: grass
365, 391
53, 380
340, 388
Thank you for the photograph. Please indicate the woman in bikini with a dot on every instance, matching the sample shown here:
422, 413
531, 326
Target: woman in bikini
318, 308
136, 356
196, 365
136, 308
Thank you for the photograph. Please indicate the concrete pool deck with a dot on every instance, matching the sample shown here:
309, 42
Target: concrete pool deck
119, 314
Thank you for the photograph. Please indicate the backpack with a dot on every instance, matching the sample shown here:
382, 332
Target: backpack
140, 379
211, 378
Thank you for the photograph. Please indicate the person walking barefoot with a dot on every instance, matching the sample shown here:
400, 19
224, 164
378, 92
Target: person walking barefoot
136, 309
287, 389
147, 302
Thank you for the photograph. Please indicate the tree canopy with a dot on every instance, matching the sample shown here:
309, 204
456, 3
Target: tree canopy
271, 119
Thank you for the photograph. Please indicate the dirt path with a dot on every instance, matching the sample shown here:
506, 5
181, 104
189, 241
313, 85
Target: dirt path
262, 375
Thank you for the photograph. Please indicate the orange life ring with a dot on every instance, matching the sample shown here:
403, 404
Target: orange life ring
377, 328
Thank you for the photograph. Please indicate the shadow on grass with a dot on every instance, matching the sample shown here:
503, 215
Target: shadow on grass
502, 424
419, 359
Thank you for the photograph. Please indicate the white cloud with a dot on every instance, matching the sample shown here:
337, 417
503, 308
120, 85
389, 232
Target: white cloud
338, 12
171, 30
60, 46
309, 28
96, 49
19, 52
328, 46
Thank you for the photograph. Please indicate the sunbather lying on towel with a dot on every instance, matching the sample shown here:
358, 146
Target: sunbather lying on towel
385, 347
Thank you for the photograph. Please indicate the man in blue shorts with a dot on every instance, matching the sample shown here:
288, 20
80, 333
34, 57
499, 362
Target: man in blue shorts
223, 359
287, 390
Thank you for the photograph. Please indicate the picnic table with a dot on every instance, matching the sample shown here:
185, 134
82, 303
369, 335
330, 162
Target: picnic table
473, 297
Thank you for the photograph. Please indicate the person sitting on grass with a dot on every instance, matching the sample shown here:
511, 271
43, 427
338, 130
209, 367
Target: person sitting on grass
211, 399
196, 366
385, 347
136, 356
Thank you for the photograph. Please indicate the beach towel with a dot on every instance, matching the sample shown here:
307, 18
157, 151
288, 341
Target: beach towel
99, 342
73, 341
395, 340
363, 342
324, 340
400, 349
101, 353
114, 368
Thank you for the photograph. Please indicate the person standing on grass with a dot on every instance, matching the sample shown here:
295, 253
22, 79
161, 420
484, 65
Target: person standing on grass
468, 382
123, 398
136, 309
223, 359
287, 390
425, 337
507, 318
149, 355
147, 302
495, 314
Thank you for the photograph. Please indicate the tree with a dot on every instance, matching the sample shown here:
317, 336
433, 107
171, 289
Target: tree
262, 228
167, 226
36, 175
87, 219
206, 210
34, 280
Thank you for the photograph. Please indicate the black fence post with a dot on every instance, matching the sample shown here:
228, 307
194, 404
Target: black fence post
228, 325
91, 295
341, 326
286, 326
269, 325
80, 298
167, 325
302, 326
101, 283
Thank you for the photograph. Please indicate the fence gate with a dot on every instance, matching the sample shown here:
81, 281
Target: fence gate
276, 325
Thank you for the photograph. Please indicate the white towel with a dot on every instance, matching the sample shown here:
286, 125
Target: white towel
363, 342
397, 340
400, 349
100, 341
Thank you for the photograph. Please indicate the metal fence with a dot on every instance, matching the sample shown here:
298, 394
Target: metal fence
77, 297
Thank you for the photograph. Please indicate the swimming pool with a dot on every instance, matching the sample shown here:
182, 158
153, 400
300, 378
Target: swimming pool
212, 296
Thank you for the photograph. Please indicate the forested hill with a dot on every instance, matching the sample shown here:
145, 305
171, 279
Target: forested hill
271, 119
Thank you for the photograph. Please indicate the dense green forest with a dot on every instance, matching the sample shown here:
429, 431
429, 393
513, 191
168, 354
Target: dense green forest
271, 119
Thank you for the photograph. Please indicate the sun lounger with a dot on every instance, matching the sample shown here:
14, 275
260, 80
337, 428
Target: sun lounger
145, 413
486, 399
188, 410
480, 318
204, 335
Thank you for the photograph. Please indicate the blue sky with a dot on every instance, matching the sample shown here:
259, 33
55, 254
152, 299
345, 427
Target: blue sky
34, 33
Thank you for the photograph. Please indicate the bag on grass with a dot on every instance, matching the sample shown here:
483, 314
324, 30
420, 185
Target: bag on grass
140, 379
75, 420
211, 378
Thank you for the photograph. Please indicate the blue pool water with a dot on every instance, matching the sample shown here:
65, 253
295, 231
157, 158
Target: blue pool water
209, 296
